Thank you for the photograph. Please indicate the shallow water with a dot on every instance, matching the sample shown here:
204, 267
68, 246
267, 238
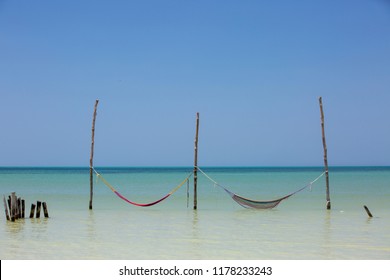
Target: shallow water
299, 228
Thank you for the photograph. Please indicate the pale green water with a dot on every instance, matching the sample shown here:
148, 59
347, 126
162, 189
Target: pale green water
300, 228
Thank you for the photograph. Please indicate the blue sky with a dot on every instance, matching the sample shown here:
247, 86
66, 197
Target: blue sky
253, 70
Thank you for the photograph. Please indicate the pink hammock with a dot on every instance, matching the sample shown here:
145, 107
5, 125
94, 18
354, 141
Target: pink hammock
140, 204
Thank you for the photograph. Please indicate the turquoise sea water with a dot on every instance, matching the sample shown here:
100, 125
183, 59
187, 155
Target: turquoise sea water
299, 228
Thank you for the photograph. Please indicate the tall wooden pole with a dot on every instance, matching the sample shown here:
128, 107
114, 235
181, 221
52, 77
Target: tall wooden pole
91, 159
325, 156
196, 164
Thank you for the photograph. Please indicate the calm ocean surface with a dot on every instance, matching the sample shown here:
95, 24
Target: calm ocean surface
299, 228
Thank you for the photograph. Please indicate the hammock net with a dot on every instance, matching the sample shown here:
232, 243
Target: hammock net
136, 203
257, 204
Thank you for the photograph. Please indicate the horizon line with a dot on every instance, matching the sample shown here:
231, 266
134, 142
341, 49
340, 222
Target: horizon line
186, 166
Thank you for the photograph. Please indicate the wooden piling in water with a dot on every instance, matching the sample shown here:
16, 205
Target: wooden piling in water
19, 208
32, 211
6, 209
328, 206
38, 213
15, 208
196, 164
14, 205
91, 158
23, 208
45, 212
9, 204
368, 211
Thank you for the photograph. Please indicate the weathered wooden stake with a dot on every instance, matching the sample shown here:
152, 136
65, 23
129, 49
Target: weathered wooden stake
38, 214
45, 210
19, 208
14, 205
325, 156
196, 164
32, 211
368, 211
23, 208
6, 209
91, 159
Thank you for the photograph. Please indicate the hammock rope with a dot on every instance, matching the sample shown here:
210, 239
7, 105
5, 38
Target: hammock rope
257, 204
98, 175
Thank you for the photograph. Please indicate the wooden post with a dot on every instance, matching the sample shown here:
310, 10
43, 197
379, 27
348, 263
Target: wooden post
32, 211
196, 164
91, 159
45, 210
9, 204
6, 209
14, 205
325, 156
368, 211
38, 214
19, 208
23, 209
